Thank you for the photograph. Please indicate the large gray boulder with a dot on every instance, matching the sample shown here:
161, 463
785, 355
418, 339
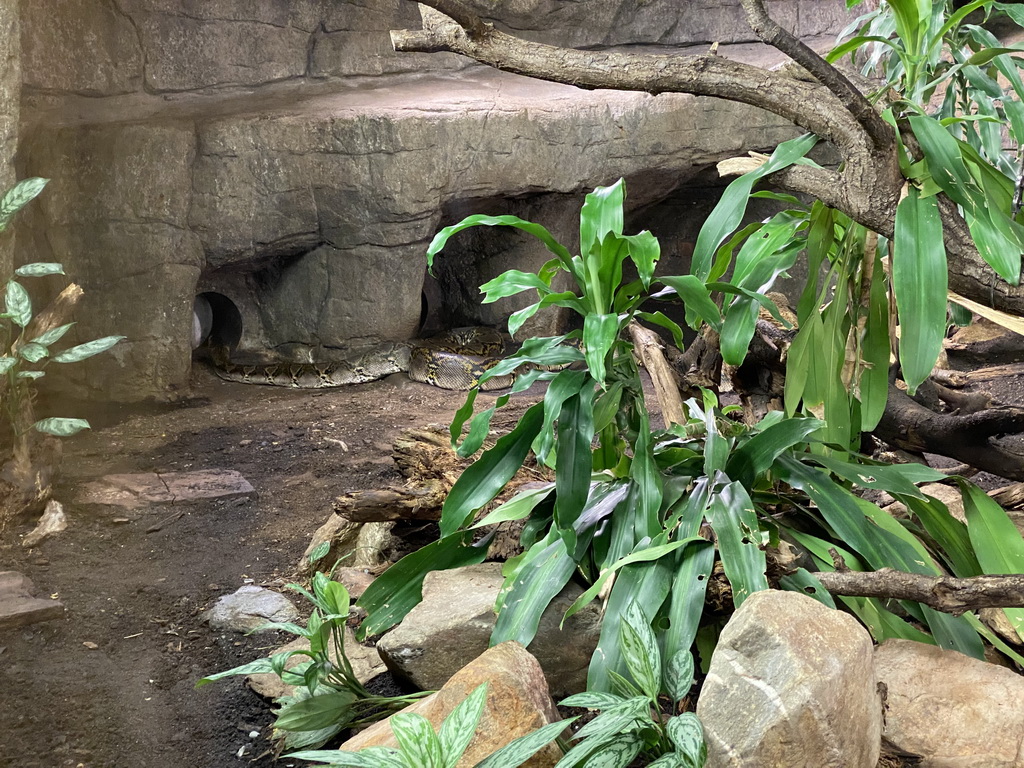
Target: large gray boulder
453, 624
954, 711
791, 685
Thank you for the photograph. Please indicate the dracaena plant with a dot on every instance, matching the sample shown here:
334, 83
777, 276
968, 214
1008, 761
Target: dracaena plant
420, 746
627, 508
328, 696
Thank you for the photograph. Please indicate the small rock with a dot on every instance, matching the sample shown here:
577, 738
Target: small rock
91, 646
454, 622
356, 580
343, 536
249, 608
791, 685
955, 711
19, 607
518, 703
52, 522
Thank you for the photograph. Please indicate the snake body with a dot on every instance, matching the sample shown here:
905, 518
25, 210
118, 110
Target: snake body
454, 360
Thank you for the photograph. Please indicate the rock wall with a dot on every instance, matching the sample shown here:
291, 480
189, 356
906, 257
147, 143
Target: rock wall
279, 155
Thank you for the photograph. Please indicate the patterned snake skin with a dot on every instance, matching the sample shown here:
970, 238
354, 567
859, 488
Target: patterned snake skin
454, 360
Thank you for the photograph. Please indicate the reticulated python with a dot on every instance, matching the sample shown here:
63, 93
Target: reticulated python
455, 360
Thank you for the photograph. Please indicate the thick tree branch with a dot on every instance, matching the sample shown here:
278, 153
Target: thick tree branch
943, 593
967, 438
772, 33
808, 104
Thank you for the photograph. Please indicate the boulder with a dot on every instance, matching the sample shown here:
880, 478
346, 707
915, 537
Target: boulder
954, 711
518, 703
248, 608
791, 685
454, 621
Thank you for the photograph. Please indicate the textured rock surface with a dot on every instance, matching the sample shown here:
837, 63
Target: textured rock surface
955, 711
134, 491
517, 703
248, 608
280, 154
791, 685
455, 620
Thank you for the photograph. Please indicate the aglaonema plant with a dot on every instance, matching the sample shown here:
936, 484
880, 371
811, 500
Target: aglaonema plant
626, 510
328, 696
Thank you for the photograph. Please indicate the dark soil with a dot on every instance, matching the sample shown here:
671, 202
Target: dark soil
112, 684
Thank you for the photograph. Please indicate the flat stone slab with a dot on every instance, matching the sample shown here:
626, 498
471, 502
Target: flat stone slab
248, 608
141, 490
19, 607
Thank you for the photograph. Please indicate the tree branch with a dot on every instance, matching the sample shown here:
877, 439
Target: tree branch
805, 103
772, 33
943, 593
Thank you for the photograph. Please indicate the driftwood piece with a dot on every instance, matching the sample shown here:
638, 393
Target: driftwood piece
418, 502
666, 385
943, 593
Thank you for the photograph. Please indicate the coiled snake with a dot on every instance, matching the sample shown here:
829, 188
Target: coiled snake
455, 360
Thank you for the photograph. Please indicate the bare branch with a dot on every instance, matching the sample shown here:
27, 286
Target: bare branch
943, 593
768, 30
805, 103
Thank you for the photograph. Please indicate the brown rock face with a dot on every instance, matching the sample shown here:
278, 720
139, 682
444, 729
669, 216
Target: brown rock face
517, 703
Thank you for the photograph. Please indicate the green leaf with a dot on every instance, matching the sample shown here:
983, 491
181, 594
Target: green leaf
920, 281
997, 542
728, 214
574, 460
686, 733
7, 363
33, 352
349, 759
756, 456
640, 650
258, 667
949, 533
397, 591
510, 283
90, 348
316, 712
20, 195
531, 591
33, 375
617, 719
420, 746
601, 214
19, 305
873, 387
804, 582
441, 238
697, 300
734, 518
319, 552
679, 674
518, 751
516, 508
592, 700
686, 604
39, 269
599, 335
61, 427
52, 335
485, 478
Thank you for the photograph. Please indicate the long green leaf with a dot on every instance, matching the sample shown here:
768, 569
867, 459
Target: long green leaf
733, 516
61, 427
419, 743
686, 606
39, 269
484, 479
728, 213
697, 300
398, 590
997, 542
757, 455
574, 460
640, 650
442, 237
90, 348
873, 387
458, 728
316, 712
20, 195
531, 591
599, 335
920, 280
518, 751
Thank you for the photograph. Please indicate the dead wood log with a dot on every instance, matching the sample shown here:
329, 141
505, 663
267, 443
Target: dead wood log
417, 502
666, 384
943, 593
967, 437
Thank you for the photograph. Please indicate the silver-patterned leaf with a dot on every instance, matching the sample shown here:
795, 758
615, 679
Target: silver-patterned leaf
640, 650
18, 197
592, 700
621, 718
90, 348
415, 735
458, 728
679, 675
40, 268
518, 751
617, 754
52, 335
6, 363
19, 305
31, 374
61, 427
687, 734
32, 352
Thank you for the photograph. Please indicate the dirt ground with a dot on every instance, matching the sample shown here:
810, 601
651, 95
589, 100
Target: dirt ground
111, 685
